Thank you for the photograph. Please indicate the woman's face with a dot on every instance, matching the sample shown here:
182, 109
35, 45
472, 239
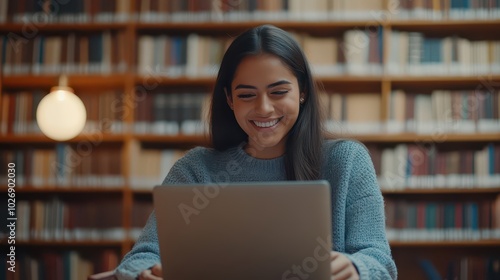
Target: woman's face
265, 100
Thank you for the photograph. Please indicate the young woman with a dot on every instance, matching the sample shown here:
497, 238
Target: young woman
265, 118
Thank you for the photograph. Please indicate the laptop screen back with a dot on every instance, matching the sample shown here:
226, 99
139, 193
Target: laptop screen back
278, 230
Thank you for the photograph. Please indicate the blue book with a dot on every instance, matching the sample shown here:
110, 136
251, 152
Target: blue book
432, 50
95, 48
430, 216
449, 216
429, 269
491, 159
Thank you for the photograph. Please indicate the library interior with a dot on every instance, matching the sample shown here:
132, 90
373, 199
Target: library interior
415, 81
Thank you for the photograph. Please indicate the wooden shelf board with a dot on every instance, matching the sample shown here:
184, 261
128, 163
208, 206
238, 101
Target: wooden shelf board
76, 81
32, 27
154, 80
412, 137
179, 139
453, 191
480, 82
67, 243
449, 25
327, 24
92, 138
203, 139
229, 25
349, 80
117, 80
407, 80
224, 26
69, 189
471, 243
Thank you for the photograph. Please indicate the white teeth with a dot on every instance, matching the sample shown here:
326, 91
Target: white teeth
265, 124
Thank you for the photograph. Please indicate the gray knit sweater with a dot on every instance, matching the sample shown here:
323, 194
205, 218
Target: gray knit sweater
357, 203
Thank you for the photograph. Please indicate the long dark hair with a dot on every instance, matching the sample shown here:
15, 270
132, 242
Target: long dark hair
305, 139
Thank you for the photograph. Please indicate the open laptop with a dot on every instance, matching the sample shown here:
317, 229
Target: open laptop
239, 231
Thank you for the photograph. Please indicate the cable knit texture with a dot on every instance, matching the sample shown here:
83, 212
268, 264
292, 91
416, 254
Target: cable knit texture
357, 204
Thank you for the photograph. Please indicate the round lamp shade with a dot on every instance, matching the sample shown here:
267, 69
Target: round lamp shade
61, 114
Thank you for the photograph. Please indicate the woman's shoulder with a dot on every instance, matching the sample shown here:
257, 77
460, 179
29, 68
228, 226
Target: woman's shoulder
343, 146
345, 151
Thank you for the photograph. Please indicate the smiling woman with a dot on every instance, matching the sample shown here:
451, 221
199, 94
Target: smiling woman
268, 59
265, 99
265, 125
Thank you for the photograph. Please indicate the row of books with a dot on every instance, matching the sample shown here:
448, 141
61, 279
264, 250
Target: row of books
356, 52
80, 11
444, 111
414, 234
184, 111
75, 53
59, 265
314, 10
404, 166
442, 220
81, 219
150, 166
439, 113
191, 55
141, 210
69, 11
436, 166
415, 53
84, 164
173, 112
104, 112
463, 267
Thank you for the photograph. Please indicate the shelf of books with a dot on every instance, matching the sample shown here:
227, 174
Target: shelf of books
417, 81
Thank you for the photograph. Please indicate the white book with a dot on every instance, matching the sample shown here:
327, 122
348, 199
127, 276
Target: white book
464, 56
145, 58
160, 44
404, 51
397, 109
388, 176
423, 114
3, 10
415, 43
395, 49
106, 52
193, 55
356, 49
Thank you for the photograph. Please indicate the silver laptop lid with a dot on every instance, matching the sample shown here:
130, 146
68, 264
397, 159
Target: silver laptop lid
261, 230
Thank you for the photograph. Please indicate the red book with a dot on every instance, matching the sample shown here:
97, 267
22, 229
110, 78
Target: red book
421, 215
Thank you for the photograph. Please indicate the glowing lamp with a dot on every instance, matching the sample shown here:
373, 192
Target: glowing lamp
61, 115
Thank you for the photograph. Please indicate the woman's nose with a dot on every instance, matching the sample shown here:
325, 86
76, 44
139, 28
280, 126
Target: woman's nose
264, 106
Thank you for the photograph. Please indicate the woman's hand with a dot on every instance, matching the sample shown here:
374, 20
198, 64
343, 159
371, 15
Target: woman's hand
154, 273
342, 268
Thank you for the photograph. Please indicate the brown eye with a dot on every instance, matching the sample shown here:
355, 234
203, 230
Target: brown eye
245, 95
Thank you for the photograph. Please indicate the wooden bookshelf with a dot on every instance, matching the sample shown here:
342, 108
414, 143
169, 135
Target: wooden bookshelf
130, 81
68, 244
440, 191
445, 244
